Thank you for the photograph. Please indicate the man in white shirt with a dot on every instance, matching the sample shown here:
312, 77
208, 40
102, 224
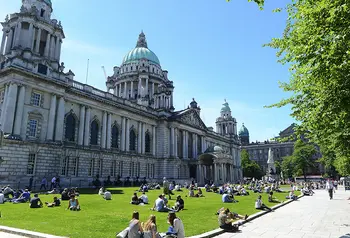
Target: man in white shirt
159, 205
107, 195
329, 187
144, 198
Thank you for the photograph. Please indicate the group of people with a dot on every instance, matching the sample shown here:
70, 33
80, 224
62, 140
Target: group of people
148, 229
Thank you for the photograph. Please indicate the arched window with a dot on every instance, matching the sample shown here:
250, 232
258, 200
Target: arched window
115, 136
70, 128
94, 133
132, 141
147, 143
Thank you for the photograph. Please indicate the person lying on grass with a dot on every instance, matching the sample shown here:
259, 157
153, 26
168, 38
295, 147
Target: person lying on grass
232, 215
73, 203
56, 203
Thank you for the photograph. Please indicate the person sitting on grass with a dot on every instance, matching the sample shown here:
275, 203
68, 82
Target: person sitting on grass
135, 200
291, 195
101, 191
73, 203
260, 205
159, 205
24, 197
272, 199
179, 204
176, 228
135, 228
191, 192
199, 193
150, 227
35, 202
65, 195
107, 195
56, 203
227, 198
143, 198
226, 222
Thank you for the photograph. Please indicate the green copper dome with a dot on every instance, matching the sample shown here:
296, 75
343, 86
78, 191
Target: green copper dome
48, 2
226, 107
141, 52
243, 131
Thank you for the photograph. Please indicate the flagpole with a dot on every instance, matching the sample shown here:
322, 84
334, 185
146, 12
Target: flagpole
87, 71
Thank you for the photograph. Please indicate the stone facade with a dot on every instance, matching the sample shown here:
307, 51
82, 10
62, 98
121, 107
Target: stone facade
55, 126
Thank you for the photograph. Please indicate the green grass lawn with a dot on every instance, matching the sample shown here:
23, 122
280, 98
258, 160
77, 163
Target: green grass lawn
101, 219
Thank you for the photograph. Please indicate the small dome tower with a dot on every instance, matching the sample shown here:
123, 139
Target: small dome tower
226, 124
244, 135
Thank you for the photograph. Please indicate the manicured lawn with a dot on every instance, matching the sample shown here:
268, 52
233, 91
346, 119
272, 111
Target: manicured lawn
101, 219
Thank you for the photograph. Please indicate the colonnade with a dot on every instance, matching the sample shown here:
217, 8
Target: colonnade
12, 37
217, 172
174, 145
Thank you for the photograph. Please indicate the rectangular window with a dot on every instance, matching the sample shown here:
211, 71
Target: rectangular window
121, 169
2, 96
138, 169
31, 164
64, 166
91, 168
131, 169
153, 171
75, 166
147, 171
33, 124
36, 99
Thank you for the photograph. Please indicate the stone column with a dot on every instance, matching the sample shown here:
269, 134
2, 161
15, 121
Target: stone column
119, 90
47, 46
143, 138
172, 142
127, 135
38, 38
204, 143
87, 126
52, 47
139, 138
109, 130
18, 33
9, 112
215, 174
3, 43
60, 120
132, 90
58, 56
104, 130
9, 41
146, 86
154, 140
194, 146
152, 89
19, 111
3, 106
184, 145
175, 142
123, 134
81, 125
171, 99
31, 36
52, 116
125, 90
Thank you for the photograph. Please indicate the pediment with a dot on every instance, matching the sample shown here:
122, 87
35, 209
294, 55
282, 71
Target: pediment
192, 118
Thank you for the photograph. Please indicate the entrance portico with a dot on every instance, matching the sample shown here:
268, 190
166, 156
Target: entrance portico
215, 165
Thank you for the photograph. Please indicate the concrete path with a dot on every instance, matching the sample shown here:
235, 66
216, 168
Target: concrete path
8, 235
309, 217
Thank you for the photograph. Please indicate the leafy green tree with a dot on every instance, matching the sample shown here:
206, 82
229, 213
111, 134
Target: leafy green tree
315, 44
287, 167
250, 168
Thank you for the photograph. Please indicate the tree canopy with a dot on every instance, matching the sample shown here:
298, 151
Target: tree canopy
250, 168
315, 44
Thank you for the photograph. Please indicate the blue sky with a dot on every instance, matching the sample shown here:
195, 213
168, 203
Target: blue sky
212, 50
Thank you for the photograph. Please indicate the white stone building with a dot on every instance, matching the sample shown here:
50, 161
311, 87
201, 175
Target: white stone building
55, 126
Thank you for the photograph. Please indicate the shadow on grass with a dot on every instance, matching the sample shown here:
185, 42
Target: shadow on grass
95, 191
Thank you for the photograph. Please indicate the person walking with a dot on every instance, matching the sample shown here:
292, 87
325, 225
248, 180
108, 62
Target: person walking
53, 183
330, 188
43, 184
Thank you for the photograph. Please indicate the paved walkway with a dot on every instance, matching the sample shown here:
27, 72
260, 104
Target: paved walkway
8, 235
309, 217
